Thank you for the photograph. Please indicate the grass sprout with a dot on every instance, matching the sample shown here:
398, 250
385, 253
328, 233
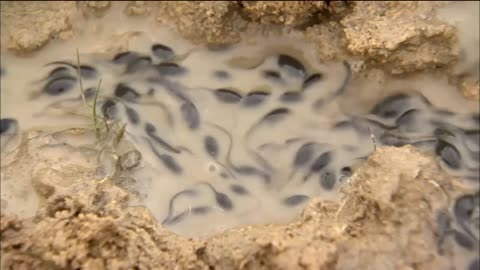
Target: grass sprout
120, 135
95, 121
96, 117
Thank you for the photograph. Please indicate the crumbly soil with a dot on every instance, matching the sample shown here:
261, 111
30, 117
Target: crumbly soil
385, 220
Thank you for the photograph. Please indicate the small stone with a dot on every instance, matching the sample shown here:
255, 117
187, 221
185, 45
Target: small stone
130, 160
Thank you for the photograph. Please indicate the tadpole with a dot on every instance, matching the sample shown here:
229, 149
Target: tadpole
311, 80
8, 125
276, 115
86, 72
222, 199
211, 146
126, 92
132, 115
163, 52
170, 69
190, 114
124, 57
318, 164
138, 64
449, 154
289, 61
304, 154
227, 95
254, 99
60, 85
295, 200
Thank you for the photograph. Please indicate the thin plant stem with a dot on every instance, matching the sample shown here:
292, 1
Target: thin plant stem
97, 129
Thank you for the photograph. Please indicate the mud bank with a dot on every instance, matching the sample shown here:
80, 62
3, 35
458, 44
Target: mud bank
387, 219
399, 210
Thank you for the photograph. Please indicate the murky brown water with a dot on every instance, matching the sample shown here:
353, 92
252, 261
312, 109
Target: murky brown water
232, 136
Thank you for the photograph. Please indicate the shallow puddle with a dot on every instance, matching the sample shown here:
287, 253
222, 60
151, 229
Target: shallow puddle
245, 134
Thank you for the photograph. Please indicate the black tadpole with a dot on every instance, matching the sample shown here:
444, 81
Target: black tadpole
227, 95
132, 115
290, 97
109, 109
124, 91
162, 51
59, 85
190, 114
304, 154
8, 125
86, 72
250, 170
58, 72
238, 189
138, 64
211, 146
276, 115
124, 57
449, 154
319, 164
311, 80
392, 106
170, 69
168, 161
289, 61
222, 199
254, 99
295, 200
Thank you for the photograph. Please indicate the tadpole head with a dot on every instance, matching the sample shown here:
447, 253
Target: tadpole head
224, 201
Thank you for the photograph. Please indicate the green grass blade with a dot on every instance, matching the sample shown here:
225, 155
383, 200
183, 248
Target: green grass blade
97, 129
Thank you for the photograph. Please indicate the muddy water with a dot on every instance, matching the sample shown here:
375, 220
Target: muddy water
229, 136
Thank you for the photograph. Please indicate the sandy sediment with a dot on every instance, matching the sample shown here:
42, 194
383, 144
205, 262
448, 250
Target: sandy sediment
469, 86
291, 13
401, 36
28, 26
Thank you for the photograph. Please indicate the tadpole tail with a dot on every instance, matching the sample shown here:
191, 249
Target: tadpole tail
307, 176
346, 81
163, 107
320, 103
265, 164
230, 139
205, 183
226, 169
162, 142
170, 204
289, 179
